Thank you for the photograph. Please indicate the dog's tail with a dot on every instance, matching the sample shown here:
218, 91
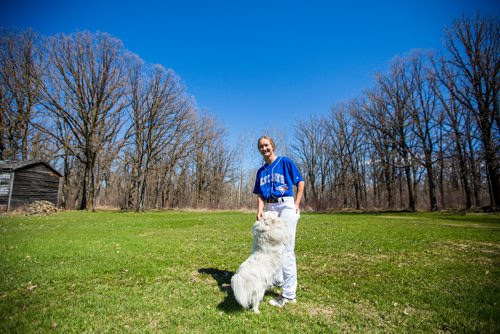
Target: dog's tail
241, 290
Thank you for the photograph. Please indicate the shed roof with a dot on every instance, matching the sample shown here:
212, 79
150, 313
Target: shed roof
13, 165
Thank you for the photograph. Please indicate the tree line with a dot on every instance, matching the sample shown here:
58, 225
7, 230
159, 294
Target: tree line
126, 134
426, 135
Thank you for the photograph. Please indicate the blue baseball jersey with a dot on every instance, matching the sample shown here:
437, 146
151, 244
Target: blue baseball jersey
276, 180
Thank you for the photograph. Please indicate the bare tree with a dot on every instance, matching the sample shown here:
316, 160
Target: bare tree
245, 153
345, 136
161, 118
456, 127
311, 147
19, 68
83, 86
372, 117
211, 161
426, 116
470, 72
396, 88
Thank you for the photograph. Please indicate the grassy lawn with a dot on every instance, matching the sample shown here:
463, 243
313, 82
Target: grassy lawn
169, 272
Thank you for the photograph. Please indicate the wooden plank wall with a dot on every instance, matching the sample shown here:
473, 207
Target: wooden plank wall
34, 184
4, 188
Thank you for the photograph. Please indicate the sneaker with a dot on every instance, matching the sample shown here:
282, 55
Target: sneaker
281, 301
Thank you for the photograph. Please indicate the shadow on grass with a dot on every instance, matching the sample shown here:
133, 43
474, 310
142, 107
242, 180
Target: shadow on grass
223, 279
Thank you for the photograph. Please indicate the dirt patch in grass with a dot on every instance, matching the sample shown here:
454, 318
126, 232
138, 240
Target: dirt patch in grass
483, 247
489, 244
480, 226
315, 310
486, 253
368, 311
402, 217
372, 258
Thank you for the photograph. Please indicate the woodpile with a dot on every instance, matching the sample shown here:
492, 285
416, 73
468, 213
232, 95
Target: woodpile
39, 208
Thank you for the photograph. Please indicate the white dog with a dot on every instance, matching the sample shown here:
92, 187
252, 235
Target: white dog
263, 266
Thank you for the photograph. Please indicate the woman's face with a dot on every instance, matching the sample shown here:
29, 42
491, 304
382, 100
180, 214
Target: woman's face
266, 148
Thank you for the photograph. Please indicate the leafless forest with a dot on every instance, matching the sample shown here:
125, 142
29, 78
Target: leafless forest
126, 134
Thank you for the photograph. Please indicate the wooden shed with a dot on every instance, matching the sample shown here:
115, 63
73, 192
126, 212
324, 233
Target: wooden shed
23, 182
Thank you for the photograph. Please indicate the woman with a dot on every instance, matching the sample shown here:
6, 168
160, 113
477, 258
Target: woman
274, 188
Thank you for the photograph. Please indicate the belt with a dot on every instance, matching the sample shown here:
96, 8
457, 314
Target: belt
274, 200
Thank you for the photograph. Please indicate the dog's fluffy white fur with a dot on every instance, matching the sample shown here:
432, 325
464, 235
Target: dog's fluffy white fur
258, 272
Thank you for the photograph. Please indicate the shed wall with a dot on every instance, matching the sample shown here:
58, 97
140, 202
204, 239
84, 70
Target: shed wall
34, 184
4, 188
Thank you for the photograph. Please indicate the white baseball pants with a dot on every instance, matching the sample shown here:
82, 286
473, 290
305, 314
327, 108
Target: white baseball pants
287, 211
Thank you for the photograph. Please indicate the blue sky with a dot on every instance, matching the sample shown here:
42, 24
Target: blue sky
258, 65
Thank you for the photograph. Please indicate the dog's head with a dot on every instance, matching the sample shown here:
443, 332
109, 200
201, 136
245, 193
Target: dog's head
270, 218
271, 228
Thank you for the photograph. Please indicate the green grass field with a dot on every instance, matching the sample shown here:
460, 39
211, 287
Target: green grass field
169, 272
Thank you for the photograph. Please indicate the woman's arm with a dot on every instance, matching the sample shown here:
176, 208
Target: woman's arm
300, 193
260, 208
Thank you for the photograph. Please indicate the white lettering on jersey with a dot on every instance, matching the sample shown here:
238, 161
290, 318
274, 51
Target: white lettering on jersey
275, 178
